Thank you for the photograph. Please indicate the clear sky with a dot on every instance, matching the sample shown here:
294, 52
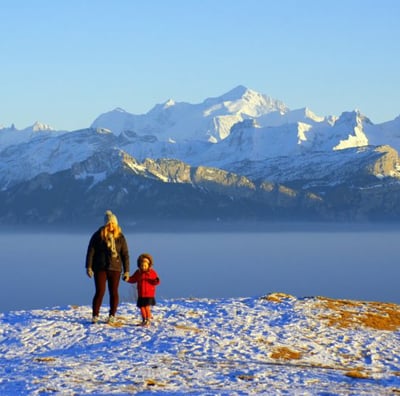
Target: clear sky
65, 62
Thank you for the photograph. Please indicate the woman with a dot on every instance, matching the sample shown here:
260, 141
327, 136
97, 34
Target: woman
107, 255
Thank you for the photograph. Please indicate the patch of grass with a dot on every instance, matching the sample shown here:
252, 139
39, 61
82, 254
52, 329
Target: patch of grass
357, 373
188, 328
348, 314
45, 359
277, 297
285, 353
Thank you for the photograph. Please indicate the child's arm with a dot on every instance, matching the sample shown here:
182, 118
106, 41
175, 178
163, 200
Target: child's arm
154, 280
134, 278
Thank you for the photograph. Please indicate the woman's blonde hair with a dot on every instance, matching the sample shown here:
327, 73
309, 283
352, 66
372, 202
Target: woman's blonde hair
106, 230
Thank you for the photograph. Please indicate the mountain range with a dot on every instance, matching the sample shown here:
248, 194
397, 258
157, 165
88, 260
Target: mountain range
240, 156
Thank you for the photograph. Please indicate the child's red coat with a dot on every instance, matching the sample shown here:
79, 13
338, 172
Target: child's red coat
146, 282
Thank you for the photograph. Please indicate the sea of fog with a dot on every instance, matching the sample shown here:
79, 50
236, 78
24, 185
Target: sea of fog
46, 269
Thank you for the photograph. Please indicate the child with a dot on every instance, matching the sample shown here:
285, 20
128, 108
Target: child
147, 280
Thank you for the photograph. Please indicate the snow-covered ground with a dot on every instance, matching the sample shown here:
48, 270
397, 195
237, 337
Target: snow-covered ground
277, 344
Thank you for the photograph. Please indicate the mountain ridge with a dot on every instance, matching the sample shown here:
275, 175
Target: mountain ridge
298, 152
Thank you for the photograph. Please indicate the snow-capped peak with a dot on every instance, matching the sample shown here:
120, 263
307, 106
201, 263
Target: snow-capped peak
234, 94
39, 126
119, 110
351, 126
353, 116
243, 101
169, 103
210, 120
312, 116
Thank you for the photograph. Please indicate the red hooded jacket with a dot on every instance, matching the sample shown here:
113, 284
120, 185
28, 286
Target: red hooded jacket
146, 282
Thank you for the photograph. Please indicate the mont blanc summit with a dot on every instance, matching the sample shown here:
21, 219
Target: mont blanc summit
210, 120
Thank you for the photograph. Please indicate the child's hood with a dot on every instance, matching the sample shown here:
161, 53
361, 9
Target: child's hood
148, 257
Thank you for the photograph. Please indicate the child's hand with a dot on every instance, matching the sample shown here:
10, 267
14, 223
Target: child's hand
89, 272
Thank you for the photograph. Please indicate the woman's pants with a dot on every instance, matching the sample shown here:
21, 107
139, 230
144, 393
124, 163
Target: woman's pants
101, 278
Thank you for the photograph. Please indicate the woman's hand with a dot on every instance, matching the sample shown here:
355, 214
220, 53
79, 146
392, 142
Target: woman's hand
125, 276
89, 272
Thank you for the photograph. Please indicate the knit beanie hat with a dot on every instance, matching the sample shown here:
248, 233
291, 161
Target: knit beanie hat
110, 217
147, 256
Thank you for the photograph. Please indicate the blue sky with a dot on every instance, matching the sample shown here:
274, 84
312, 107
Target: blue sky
66, 62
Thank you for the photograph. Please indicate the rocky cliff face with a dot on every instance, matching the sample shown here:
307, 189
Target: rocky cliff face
156, 190
387, 165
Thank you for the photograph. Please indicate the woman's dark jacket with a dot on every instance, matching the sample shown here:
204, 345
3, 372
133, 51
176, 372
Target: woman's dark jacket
99, 256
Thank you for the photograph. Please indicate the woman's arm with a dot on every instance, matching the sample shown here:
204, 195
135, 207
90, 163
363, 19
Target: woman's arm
124, 254
90, 253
